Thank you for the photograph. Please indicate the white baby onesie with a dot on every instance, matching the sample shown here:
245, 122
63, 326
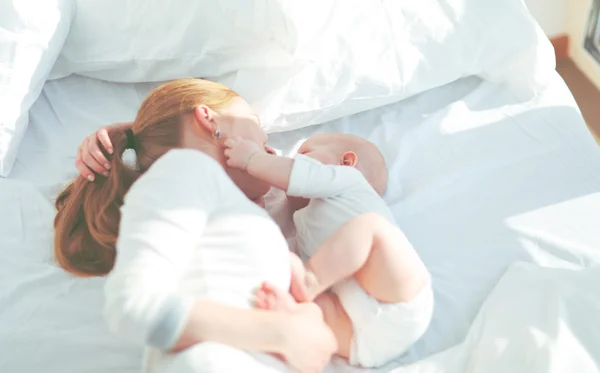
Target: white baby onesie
382, 332
187, 232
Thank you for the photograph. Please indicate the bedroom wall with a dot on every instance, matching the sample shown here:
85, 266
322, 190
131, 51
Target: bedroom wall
577, 18
568, 17
550, 14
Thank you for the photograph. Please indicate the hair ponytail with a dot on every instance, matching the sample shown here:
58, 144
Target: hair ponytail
87, 221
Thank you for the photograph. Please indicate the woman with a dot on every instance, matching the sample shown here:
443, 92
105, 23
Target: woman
145, 272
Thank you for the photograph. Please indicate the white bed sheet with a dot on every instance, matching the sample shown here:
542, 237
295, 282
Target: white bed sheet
478, 181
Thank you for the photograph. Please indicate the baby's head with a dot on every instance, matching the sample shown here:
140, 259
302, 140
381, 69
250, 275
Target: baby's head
349, 150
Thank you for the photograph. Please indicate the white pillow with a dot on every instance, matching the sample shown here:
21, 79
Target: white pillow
354, 55
156, 40
31, 35
307, 62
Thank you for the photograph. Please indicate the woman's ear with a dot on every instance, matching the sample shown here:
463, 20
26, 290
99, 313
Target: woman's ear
205, 117
349, 159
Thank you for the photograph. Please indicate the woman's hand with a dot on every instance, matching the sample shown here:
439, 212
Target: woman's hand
90, 159
308, 341
239, 151
298, 334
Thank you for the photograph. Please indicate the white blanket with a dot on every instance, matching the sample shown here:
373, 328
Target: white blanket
537, 320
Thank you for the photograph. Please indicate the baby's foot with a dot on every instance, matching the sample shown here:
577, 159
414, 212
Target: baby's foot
304, 285
305, 288
269, 297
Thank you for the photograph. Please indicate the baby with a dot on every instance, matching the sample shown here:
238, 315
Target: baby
381, 300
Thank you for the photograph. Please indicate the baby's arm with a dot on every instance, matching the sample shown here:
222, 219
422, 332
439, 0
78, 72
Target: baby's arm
272, 169
246, 155
298, 177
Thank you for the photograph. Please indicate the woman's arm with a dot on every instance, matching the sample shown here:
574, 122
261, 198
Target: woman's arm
246, 329
301, 337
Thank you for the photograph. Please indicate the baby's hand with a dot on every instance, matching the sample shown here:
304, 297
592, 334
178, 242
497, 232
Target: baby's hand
239, 151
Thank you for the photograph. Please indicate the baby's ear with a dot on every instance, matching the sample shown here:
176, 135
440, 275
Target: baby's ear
349, 159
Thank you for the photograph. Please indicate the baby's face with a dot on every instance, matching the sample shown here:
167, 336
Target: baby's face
319, 148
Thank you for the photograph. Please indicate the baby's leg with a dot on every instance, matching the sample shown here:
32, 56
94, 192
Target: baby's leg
376, 253
338, 320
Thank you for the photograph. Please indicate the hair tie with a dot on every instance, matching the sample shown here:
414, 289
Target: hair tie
130, 139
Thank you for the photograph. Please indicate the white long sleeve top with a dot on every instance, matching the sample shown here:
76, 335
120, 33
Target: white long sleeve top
187, 232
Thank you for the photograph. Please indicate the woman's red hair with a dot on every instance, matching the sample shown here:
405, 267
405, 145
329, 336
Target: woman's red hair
88, 213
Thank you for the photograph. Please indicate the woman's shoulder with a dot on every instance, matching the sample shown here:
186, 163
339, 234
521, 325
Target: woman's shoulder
181, 164
180, 160
182, 171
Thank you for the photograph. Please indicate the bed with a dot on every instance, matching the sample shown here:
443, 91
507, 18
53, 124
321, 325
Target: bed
494, 177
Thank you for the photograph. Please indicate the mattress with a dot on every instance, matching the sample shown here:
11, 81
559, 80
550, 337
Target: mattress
499, 196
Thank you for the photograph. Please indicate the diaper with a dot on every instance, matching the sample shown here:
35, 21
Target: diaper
383, 331
209, 357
